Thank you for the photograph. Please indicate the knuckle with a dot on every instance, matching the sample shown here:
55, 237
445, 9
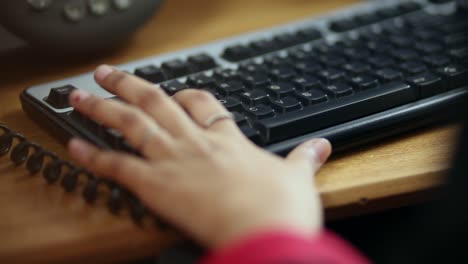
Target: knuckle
117, 80
150, 98
130, 118
202, 96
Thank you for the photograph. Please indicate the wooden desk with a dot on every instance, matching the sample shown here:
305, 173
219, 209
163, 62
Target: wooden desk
41, 223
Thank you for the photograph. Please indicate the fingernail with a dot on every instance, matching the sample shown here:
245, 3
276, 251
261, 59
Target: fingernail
102, 72
321, 148
78, 148
78, 96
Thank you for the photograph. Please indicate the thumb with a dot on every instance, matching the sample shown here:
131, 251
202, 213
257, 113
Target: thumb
312, 153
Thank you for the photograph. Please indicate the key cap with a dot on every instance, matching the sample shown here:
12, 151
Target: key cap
388, 75
286, 104
428, 47
357, 53
231, 104
332, 60
226, 75
381, 61
308, 34
335, 112
151, 74
404, 54
364, 82
256, 81
263, 46
282, 74
338, 90
59, 97
253, 68
285, 40
280, 90
260, 112
413, 67
175, 68
454, 75
173, 87
254, 97
201, 62
460, 55
356, 68
201, 81
230, 88
311, 97
240, 119
308, 67
237, 53
331, 75
343, 25
252, 135
307, 83
436, 60
428, 84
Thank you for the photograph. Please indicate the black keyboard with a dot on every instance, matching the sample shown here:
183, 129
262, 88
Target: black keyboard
356, 76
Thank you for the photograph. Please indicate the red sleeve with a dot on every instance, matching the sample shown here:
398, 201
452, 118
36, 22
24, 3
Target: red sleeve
287, 247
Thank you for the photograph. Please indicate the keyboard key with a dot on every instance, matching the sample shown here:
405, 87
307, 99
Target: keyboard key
201, 62
308, 34
428, 84
175, 68
381, 61
255, 81
455, 76
311, 97
388, 12
338, 90
287, 104
285, 40
253, 68
276, 61
308, 67
332, 60
240, 119
456, 40
263, 46
404, 54
260, 112
226, 75
237, 53
436, 60
356, 68
428, 47
409, 6
173, 87
413, 67
357, 53
230, 88
280, 90
460, 55
282, 74
307, 83
252, 134
331, 75
364, 82
231, 104
388, 75
343, 25
201, 81
254, 97
59, 97
151, 74
320, 116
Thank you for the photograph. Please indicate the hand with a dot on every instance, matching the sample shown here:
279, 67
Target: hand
207, 179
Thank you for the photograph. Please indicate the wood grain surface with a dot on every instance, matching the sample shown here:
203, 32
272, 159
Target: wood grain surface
40, 223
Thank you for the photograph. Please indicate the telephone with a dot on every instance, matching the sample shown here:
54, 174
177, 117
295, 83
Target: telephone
75, 25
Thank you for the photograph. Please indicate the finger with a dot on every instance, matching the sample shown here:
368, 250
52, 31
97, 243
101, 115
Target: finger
133, 123
312, 154
125, 169
146, 96
202, 106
